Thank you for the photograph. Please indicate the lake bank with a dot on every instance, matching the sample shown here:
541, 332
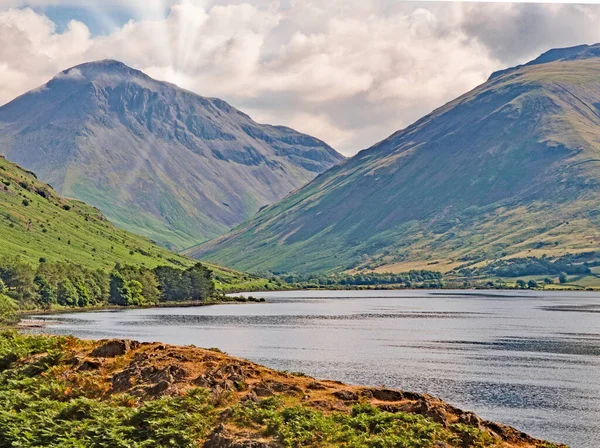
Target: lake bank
125, 393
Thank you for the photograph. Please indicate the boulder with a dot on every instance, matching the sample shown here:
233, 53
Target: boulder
113, 348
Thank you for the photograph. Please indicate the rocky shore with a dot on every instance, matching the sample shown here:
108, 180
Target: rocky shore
251, 402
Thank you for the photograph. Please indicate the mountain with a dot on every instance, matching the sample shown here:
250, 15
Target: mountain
156, 159
510, 169
36, 223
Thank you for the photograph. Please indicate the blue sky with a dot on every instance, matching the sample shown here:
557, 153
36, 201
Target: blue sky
98, 24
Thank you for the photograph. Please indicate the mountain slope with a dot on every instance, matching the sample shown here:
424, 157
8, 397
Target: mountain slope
156, 159
511, 168
36, 223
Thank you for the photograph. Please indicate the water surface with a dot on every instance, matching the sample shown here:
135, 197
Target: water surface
527, 359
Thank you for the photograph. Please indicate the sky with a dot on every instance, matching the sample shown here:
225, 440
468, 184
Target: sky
350, 72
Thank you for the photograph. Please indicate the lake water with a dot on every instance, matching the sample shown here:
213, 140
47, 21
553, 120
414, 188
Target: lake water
527, 359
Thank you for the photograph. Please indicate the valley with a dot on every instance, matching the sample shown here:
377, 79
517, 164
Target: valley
508, 170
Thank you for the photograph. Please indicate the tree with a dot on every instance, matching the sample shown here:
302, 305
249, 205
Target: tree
119, 291
67, 294
532, 284
170, 283
563, 278
18, 277
8, 316
148, 280
136, 296
521, 284
200, 282
47, 294
83, 296
548, 281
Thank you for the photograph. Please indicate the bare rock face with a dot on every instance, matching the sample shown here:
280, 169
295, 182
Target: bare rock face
114, 348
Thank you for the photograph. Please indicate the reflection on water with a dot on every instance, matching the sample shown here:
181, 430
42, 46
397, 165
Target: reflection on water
531, 360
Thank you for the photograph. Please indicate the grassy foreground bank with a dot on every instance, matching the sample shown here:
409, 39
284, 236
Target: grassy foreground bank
65, 392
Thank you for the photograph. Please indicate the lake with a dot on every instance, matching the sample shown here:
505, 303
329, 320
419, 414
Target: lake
528, 359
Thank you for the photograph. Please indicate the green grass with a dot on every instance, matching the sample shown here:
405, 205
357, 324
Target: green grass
365, 427
37, 224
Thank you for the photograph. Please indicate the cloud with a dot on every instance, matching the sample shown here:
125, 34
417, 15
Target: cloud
348, 72
73, 74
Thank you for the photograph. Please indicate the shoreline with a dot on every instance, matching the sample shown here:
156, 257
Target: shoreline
250, 299
247, 399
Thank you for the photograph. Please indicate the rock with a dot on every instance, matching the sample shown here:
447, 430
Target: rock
387, 394
315, 385
114, 348
261, 391
250, 396
346, 395
159, 388
122, 381
468, 418
89, 364
202, 381
508, 433
284, 388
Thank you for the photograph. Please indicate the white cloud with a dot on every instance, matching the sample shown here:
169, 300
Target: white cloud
349, 72
73, 73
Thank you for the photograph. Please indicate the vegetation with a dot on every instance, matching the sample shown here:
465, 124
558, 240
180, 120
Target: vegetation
54, 235
365, 426
414, 279
68, 285
61, 392
37, 224
37, 408
520, 267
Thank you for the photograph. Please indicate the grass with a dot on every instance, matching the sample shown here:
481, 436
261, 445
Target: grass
364, 427
37, 224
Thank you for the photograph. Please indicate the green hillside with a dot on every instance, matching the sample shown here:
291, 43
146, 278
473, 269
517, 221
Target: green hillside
36, 224
510, 169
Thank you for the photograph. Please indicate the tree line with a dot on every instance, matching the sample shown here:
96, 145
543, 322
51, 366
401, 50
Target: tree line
414, 278
68, 285
521, 267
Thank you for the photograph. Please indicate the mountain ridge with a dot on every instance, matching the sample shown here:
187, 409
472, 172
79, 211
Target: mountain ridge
156, 159
497, 172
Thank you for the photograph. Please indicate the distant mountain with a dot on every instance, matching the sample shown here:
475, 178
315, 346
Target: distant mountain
156, 159
511, 168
